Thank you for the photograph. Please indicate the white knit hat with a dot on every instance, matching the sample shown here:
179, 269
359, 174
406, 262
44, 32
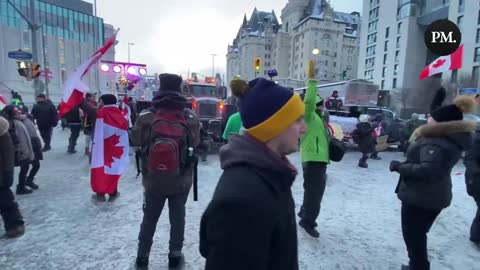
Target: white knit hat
364, 118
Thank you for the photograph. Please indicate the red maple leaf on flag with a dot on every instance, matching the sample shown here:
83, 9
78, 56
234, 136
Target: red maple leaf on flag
111, 150
439, 63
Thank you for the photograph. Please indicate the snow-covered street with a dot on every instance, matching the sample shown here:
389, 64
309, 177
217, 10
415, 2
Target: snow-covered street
359, 221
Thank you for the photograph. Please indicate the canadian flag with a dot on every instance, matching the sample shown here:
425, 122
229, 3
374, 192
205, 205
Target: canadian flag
444, 63
74, 88
3, 102
126, 111
110, 150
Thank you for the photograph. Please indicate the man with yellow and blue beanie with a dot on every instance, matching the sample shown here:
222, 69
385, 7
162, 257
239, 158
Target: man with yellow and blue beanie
252, 206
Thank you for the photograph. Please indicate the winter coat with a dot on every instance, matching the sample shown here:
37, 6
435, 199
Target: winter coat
366, 140
234, 124
23, 144
46, 114
7, 154
34, 138
73, 116
425, 176
315, 143
334, 103
250, 222
472, 165
140, 137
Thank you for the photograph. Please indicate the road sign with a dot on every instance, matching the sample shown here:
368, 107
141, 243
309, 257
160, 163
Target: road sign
468, 91
20, 55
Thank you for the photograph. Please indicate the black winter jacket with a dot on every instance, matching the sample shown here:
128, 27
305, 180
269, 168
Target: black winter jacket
472, 165
366, 140
250, 222
46, 114
425, 176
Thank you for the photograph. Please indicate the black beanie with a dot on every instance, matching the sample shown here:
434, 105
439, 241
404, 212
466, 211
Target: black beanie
170, 82
447, 113
108, 99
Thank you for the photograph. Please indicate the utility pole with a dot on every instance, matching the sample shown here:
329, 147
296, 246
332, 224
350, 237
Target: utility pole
129, 44
96, 42
213, 66
31, 20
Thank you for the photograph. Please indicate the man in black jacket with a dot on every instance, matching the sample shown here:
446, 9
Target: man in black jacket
74, 122
45, 114
472, 179
250, 222
425, 185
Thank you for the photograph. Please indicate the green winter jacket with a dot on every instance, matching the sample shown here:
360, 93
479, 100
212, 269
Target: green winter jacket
314, 144
234, 125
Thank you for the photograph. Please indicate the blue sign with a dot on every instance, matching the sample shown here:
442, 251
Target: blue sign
468, 91
20, 55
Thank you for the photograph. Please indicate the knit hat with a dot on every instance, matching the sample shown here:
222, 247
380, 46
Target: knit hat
266, 108
170, 82
108, 99
454, 112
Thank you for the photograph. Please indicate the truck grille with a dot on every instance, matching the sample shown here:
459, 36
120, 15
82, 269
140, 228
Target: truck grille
207, 110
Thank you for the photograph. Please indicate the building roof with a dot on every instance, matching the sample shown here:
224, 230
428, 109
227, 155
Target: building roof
255, 26
316, 9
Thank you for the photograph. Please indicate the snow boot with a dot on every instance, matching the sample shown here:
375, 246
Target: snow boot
112, 197
31, 184
46, 148
309, 229
141, 263
98, 197
375, 157
23, 190
175, 261
16, 232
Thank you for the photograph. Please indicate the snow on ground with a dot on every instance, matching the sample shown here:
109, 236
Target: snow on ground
359, 221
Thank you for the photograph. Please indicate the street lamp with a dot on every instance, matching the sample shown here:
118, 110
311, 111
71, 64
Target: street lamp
213, 66
129, 44
316, 51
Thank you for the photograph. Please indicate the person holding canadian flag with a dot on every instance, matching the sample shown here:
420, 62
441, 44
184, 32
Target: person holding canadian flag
110, 141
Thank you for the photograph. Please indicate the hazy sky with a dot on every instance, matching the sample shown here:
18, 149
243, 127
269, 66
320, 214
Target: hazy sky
178, 35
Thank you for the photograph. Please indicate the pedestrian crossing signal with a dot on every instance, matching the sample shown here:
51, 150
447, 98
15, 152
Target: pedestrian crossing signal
257, 64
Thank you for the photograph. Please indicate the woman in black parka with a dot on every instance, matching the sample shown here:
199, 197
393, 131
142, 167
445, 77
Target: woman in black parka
425, 186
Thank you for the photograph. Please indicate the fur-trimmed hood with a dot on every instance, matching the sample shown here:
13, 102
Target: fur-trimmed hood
459, 131
4, 126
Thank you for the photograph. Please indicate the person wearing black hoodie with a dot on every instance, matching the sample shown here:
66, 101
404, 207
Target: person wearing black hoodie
250, 221
74, 122
425, 185
46, 116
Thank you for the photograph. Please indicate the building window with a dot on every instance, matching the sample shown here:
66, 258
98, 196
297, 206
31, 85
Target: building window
384, 59
334, 64
398, 42
478, 19
386, 45
372, 38
394, 83
475, 74
384, 71
387, 32
382, 85
397, 56
461, 5
395, 69
476, 57
371, 50
477, 39
399, 27
369, 75
372, 26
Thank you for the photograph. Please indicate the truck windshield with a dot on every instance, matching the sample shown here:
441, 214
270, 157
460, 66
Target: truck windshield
203, 90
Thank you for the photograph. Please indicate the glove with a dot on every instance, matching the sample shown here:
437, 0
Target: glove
395, 165
7, 178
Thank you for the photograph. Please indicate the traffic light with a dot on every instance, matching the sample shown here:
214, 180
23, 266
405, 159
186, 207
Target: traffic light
344, 74
257, 64
35, 71
22, 69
